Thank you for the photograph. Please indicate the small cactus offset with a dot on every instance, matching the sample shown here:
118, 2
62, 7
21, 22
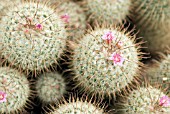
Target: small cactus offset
108, 11
32, 37
153, 21
78, 107
106, 60
146, 100
14, 91
50, 87
159, 72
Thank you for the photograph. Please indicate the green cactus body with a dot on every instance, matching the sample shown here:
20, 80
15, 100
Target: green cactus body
145, 101
153, 21
93, 67
78, 107
50, 87
16, 87
32, 37
108, 11
159, 72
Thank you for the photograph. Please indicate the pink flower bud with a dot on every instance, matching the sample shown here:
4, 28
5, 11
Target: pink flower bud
38, 26
117, 59
3, 96
65, 18
164, 101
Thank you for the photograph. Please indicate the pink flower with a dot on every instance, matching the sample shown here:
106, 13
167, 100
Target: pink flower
38, 26
108, 36
117, 59
26, 31
3, 96
120, 44
164, 101
65, 18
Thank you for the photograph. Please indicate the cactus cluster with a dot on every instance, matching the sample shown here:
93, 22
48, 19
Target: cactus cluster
103, 58
50, 87
101, 62
14, 91
32, 37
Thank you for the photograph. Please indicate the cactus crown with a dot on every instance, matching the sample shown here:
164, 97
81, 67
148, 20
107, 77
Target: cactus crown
103, 58
32, 37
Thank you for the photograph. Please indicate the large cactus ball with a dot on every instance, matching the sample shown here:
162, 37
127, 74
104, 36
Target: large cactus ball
32, 36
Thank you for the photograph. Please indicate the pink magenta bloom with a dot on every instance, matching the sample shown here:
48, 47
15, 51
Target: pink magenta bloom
120, 44
108, 36
65, 18
3, 96
164, 101
117, 59
38, 26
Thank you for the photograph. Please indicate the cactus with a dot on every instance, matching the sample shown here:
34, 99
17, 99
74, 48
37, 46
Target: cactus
50, 87
78, 107
14, 90
32, 37
110, 11
153, 21
106, 61
5, 4
73, 15
146, 100
158, 72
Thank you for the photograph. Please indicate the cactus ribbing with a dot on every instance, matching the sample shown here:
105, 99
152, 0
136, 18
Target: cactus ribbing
106, 61
32, 37
146, 100
16, 88
108, 11
50, 87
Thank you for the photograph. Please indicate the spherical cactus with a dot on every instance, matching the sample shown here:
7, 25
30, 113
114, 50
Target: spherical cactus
32, 37
158, 72
153, 21
50, 87
146, 100
78, 107
14, 91
106, 61
110, 11
73, 16
5, 4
